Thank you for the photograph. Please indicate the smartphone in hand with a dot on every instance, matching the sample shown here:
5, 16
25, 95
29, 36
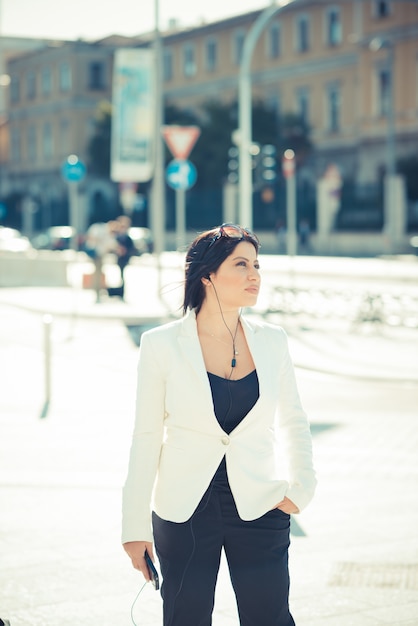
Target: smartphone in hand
152, 571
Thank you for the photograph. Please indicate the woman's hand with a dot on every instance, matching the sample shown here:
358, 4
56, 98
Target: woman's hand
287, 506
136, 550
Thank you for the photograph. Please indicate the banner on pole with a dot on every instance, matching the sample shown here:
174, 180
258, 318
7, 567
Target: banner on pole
133, 115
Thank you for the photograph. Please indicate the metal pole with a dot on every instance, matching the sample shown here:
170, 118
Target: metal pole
157, 214
390, 201
180, 217
28, 209
390, 147
291, 236
244, 113
47, 322
74, 217
390, 207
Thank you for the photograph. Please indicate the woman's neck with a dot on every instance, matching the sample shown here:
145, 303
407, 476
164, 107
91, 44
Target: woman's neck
217, 322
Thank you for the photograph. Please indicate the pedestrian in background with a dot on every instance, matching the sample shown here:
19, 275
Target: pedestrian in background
100, 240
304, 236
281, 233
218, 411
125, 247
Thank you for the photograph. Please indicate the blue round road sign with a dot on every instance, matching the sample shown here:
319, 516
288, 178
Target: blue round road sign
73, 170
181, 174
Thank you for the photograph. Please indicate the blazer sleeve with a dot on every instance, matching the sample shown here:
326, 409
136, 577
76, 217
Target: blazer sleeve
295, 435
146, 445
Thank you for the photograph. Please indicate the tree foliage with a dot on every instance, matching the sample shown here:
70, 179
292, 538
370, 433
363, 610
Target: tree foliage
210, 154
217, 121
98, 149
294, 133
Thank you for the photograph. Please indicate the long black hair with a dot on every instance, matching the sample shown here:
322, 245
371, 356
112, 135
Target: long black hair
204, 256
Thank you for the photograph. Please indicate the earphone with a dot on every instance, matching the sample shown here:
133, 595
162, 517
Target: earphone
189, 560
233, 361
134, 602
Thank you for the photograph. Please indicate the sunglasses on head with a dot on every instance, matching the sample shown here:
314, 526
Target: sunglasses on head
232, 231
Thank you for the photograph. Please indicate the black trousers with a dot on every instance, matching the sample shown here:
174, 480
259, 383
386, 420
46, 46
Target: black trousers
257, 553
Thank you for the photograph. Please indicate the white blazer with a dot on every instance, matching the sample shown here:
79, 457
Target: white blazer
178, 443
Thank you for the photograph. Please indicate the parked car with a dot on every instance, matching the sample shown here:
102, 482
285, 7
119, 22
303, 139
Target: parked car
142, 239
55, 238
59, 238
12, 240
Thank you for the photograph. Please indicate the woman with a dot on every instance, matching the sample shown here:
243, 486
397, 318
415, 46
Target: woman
216, 396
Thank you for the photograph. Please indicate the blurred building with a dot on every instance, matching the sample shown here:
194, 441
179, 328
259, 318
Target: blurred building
315, 58
10, 47
349, 68
54, 93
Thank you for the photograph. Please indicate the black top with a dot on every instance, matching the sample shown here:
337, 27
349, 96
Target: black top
232, 401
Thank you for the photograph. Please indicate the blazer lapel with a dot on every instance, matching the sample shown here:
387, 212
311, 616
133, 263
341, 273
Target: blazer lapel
258, 351
262, 362
189, 345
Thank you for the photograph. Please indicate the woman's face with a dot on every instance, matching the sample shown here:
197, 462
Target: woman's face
237, 280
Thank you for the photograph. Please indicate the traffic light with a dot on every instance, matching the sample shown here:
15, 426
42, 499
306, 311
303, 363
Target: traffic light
268, 165
233, 165
263, 163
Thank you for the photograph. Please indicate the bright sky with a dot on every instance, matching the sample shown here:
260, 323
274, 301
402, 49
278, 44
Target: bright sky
93, 19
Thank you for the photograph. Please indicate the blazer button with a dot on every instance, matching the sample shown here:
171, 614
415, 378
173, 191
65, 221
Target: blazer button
225, 441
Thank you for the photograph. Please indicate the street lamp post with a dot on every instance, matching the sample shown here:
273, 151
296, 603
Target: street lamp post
157, 213
244, 112
390, 195
288, 165
391, 157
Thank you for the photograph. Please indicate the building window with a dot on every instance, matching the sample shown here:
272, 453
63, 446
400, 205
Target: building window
273, 103
65, 77
333, 27
167, 65
302, 103
14, 89
46, 81
32, 147
47, 141
273, 41
382, 8
189, 60
64, 140
383, 91
96, 75
333, 108
211, 55
31, 85
238, 45
302, 33
15, 145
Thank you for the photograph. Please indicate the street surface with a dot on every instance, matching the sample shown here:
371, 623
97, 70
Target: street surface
354, 553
